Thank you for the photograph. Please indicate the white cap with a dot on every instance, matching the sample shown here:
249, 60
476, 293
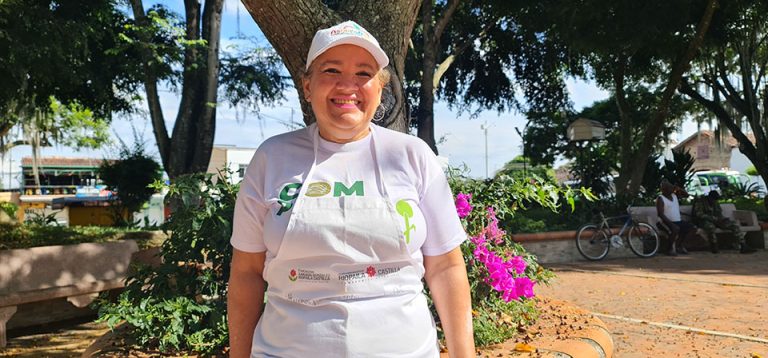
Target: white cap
346, 33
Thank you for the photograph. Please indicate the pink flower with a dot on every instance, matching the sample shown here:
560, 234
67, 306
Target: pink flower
492, 230
463, 207
518, 264
524, 287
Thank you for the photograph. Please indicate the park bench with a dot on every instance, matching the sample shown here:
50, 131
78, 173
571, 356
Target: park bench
75, 272
746, 219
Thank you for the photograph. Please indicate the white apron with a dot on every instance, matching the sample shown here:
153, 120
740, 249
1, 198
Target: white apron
343, 283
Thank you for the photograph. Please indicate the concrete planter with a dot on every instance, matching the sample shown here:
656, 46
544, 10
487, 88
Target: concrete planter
55, 275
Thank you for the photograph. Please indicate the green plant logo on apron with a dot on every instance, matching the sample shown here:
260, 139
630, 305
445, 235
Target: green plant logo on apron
406, 211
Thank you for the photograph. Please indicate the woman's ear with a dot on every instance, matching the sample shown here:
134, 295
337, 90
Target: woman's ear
305, 87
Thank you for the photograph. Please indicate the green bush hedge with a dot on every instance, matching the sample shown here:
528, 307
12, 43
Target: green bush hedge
24, 236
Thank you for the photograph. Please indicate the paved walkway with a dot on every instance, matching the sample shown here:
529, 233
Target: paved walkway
697, 305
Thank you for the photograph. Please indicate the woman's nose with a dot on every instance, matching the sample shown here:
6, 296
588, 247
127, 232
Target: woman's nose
347, 82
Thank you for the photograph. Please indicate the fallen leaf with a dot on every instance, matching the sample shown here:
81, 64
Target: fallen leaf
522, 347
755, 355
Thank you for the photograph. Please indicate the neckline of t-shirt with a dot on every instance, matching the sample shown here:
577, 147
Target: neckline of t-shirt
360, 144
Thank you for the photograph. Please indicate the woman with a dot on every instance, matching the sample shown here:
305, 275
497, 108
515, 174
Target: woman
343, 219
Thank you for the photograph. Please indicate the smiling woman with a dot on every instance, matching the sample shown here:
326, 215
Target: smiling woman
344, 264
344, 90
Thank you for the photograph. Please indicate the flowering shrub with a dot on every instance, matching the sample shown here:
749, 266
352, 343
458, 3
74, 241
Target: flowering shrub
502, 275
501, 271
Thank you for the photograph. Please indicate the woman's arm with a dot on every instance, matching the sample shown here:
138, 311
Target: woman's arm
244, 300
446, 276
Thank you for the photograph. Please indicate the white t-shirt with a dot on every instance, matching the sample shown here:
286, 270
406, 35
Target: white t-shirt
671, 208
410, 170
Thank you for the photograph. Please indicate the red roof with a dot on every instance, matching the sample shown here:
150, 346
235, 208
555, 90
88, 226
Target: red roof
62, 162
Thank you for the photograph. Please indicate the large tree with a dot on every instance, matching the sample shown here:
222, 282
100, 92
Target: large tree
625, 44
188, 148
594, 162
56, 55
182, 52
289, 25
61, 80
483, 55
732, 83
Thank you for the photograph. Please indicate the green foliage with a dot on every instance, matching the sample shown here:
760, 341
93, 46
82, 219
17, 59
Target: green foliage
170, 324
131, 176
9, 208
741, 190
16, 236
652, 178
77, 126
679, 169
752, 204
593, 168
252, 78
496, 320
61, 49
182, 303
40, 218
752, 170
520, 168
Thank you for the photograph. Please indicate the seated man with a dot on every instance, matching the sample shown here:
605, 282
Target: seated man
708, 215
668, 209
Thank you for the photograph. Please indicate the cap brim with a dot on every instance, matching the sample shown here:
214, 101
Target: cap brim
378, 54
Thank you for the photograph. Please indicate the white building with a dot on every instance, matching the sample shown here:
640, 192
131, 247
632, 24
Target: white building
231, 158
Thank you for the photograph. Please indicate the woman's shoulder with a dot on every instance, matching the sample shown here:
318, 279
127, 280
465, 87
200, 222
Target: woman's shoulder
294, 139
399, 140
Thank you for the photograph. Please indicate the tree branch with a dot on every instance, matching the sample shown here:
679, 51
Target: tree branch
445, 18
458, 49
150, 85
745, 145
207, 121
678, 69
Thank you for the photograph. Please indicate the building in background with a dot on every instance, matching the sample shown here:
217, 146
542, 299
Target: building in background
715, 153
60, 176
231, 158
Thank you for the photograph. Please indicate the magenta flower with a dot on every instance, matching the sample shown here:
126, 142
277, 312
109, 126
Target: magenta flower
492, 231
518, 264
501, 271
463, 207
524, 287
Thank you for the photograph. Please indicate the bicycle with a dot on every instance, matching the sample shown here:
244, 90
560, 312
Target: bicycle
594, 241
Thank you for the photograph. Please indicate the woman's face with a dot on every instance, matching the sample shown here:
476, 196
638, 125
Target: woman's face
344, 90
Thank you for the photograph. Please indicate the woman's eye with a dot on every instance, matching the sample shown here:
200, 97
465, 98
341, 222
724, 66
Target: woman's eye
365, 74
331, 70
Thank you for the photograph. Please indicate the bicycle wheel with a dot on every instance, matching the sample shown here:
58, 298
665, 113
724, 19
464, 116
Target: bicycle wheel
643, 240
592, 242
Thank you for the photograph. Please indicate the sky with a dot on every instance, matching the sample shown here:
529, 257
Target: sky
463, 138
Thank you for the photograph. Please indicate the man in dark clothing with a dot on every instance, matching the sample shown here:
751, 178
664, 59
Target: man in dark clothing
708, 216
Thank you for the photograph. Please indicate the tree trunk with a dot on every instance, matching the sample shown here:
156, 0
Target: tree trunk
289, 25
425, 116
681, 65
188, 149
625, 128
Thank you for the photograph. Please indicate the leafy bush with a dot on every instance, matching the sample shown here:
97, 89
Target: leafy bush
741, 190
131, 176
15, 236
180, 306
502, 274
9, 208
753, 204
